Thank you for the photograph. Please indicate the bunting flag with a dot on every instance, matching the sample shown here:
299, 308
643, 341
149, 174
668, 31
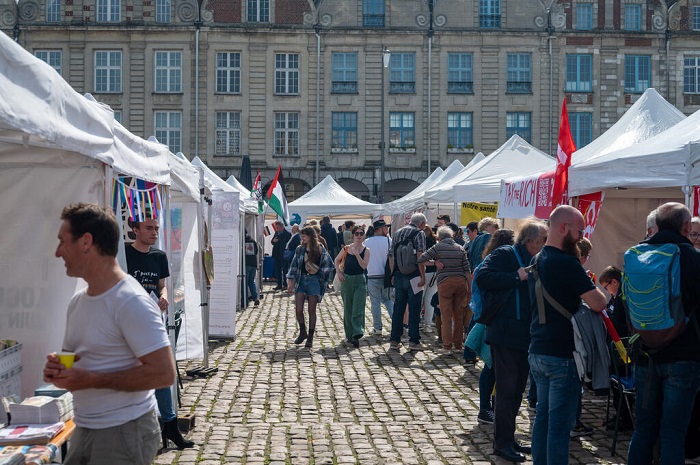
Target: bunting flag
141, 201
276, 198
565, 148
256, 192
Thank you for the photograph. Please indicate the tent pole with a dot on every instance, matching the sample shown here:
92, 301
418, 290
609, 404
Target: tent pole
204, 287
167, 226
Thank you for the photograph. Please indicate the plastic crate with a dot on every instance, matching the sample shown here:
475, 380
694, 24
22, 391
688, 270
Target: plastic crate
10, 384
10, 359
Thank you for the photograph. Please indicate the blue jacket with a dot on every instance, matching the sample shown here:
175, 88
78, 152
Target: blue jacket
499, 272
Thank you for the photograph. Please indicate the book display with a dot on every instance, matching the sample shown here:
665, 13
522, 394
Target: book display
19, 434
42, 410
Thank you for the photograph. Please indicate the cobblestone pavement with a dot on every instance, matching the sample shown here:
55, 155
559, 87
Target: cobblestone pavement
272, 402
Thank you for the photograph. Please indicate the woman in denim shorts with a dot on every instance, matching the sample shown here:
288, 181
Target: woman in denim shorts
307, 278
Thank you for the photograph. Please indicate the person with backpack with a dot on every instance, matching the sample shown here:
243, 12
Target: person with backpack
559, 283
667, 365
508, 332
408, 244
453, 286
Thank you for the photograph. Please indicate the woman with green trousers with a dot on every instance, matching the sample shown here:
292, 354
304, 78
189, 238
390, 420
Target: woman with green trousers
351, 265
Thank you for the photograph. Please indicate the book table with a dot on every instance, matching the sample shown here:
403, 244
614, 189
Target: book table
42, 454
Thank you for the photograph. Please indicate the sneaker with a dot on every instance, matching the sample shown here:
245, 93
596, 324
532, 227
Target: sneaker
394, 345
376, 332
485, 417
415, 346
580, 430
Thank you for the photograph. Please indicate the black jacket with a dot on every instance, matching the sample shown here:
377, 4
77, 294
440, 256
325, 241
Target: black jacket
687, 345
329, 233
499, 272
279, 246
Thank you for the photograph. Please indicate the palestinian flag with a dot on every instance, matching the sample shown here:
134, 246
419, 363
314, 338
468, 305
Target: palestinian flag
276, 198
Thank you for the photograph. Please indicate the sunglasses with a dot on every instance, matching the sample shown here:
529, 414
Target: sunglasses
359, 233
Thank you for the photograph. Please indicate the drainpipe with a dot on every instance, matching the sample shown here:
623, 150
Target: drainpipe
550, 37
431, 4
317, 30
197, 25
668, 64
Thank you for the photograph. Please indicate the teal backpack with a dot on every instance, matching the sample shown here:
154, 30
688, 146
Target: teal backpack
651, 289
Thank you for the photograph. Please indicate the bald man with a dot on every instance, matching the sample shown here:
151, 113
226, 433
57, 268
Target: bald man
552, 340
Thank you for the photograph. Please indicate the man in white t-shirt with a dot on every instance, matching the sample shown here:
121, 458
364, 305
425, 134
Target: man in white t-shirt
121, 346
379, 245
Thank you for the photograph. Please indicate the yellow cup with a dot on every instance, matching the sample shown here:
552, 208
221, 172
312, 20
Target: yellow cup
66, 358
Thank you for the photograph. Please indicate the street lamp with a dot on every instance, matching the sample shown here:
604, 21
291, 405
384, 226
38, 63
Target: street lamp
386, 57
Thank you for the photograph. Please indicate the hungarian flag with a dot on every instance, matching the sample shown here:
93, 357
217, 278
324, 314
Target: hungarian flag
276, 199
256, 192
565, 148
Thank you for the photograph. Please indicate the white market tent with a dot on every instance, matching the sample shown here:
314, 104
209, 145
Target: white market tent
414, 199
50, 136
637, 177
482, 182
328, 198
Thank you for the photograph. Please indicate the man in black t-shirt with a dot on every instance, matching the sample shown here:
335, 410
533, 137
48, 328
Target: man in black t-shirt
552, 340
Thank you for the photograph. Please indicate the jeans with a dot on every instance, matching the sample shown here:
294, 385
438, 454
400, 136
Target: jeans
663, 406
558, 393
404, 297
469, 354
487, 380
378, 295
164, 398
250, 272
354, 294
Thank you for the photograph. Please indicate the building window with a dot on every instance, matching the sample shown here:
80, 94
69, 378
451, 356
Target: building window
490, 13
286, 134
633, 17
228, 133
581, 125
459, 131
579, 73
287, 73
163, 8
584, 16
637, 73
696, 18
460, 78
344, 73
168, 72
228, 73
108, 71
53, 11
259, 11
168, 129
118, 116
108, 11
402, 130
402, 75
373, 13
691, 75
519, 73
344, 130
519, 123
52, 57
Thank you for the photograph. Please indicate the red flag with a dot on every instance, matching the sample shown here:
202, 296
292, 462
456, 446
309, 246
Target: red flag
565, 148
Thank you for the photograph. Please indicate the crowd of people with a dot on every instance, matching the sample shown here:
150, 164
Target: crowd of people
531, 285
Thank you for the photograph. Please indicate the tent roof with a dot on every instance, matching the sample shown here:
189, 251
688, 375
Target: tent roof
481, 182
214, 183
650, 115
665, 160
39, 109
328, 198
414, 199
185, 178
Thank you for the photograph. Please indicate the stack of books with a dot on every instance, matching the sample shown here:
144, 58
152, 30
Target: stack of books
19, 435
42, 410
30, 455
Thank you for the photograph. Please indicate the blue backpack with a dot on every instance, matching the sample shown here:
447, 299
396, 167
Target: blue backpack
478, 295
651, 290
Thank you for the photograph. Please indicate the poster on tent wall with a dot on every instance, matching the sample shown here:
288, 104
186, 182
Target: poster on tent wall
589, 205
525, 197
696, 201
474, 211
225, 242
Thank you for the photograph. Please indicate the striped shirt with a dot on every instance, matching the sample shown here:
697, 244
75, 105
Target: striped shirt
452, 256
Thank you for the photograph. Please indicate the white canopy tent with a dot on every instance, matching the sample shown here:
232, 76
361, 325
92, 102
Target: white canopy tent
328, 198
50, 136
414, 199
482, 182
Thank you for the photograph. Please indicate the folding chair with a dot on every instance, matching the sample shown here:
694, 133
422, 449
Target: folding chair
624, 382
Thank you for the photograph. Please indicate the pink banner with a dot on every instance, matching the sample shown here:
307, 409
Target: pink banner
527, 197
696, 196
589, 205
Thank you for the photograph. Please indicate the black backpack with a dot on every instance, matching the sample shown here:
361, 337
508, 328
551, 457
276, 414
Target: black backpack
405, 254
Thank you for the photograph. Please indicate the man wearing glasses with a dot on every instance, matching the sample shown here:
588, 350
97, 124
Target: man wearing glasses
552, 337
695, 232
